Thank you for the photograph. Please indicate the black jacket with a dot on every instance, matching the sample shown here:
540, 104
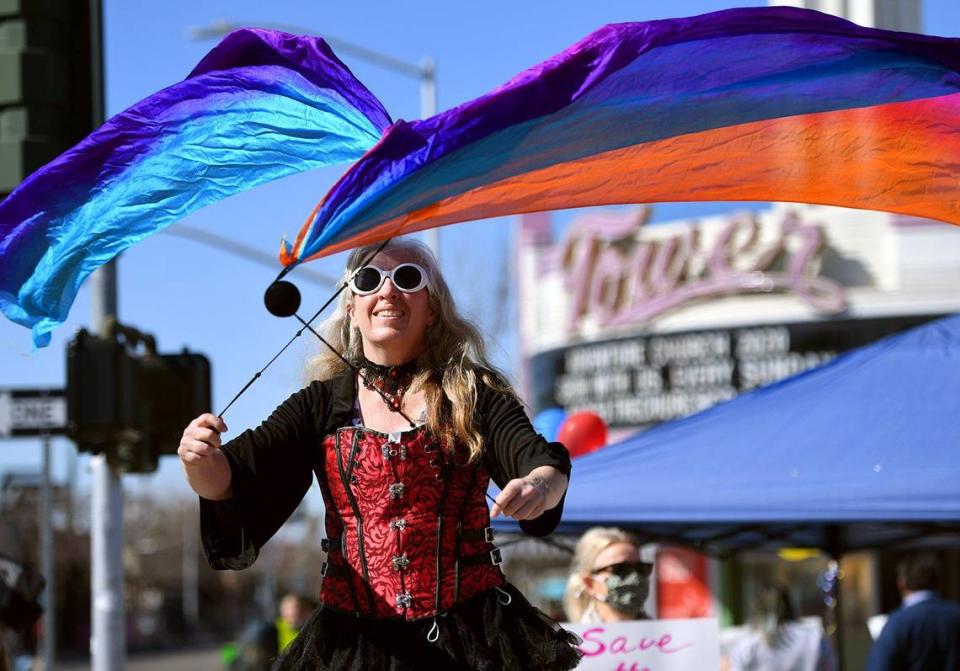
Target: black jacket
921, 637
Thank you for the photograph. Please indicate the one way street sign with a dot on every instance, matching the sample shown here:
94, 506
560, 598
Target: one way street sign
32, 412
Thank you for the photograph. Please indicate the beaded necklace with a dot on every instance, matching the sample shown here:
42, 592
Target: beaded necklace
391, 382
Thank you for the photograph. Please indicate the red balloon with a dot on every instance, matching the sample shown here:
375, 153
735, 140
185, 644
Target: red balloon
582, 433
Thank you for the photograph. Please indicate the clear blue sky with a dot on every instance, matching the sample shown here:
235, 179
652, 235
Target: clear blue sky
194, 296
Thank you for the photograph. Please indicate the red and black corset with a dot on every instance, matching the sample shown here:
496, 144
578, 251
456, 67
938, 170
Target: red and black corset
408, 529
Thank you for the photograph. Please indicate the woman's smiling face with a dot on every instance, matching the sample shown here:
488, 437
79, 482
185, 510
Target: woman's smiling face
392, 323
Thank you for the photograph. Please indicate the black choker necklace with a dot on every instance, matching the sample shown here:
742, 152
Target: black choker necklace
390, 381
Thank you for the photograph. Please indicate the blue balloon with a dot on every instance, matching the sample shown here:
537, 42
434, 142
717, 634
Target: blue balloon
547, 422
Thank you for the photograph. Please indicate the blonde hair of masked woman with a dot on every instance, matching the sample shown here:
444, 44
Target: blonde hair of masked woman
578, 603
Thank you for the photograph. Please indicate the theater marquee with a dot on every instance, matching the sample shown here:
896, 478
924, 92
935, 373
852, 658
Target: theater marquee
642, 380
646, 323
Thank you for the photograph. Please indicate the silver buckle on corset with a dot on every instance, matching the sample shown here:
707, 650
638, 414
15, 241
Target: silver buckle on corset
488, 534
324, 567
495, 557
404, 600
398, 524
397, 490
400, 562
391, 450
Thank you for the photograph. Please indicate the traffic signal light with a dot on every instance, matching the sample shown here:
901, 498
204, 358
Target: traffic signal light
50, 81
174, 388
126, 399
101, 383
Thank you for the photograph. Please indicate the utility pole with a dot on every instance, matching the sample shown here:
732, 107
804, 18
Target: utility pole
107, 644
191, 572
428, 108
46, 552
108, 640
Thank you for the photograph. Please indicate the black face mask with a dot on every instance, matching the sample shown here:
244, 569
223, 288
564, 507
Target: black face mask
627, 592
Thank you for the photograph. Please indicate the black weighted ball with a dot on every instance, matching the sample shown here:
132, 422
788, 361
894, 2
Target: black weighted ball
282, 299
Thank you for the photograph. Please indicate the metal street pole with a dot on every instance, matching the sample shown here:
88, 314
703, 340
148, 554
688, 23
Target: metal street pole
46, 541
428, 107
425, 73
107, 642
191, 578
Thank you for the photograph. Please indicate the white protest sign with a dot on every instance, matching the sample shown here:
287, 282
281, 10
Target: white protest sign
650, 645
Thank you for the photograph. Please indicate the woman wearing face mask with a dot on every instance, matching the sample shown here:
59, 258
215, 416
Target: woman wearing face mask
404, 425
608, 582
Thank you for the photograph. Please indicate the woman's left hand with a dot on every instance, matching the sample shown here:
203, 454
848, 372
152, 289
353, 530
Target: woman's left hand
522, 499
529, 497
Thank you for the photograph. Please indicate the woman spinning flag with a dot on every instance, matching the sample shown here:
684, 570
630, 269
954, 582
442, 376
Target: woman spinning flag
407, 420
404, 432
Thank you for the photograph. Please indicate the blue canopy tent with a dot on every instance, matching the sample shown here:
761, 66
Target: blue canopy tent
861, 452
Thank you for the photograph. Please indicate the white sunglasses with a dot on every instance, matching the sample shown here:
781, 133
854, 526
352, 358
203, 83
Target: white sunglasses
407, 277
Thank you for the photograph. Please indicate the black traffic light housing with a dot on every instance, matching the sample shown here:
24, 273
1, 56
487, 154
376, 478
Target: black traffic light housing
101, 384
174, 388
50, 81
129, 401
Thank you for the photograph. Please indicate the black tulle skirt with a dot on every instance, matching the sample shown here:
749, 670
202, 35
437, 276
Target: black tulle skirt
479, 634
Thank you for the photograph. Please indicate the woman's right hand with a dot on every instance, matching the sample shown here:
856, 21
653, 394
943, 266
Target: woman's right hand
201, 439
204, 463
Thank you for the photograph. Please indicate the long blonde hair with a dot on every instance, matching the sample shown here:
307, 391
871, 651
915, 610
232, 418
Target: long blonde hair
589, 547
454, 356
